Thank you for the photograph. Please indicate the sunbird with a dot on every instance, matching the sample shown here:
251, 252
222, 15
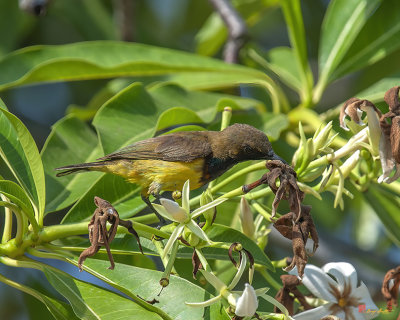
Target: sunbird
164, 163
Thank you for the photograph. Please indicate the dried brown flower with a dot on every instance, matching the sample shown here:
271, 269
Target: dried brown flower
289, 292
390, 144
390, 287
354, 108
98, 233
287, 190
298, 232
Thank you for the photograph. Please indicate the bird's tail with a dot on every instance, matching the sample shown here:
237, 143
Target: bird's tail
90, 166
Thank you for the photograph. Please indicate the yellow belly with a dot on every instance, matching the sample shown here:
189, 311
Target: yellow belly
169, 175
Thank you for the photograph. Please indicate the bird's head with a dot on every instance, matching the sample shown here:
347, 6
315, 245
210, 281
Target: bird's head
249, 143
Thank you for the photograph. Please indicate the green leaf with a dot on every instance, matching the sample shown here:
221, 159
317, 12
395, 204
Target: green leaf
342, 23
385, 206
70, 141
177, 116
274, 124
221, 233
282, 62
106, 59
91, 302
205, 104
135, 282
377, 39
19, 152
376, 92
295, 25
211, 36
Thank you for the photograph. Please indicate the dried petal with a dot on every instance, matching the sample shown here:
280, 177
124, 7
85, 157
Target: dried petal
392, 99
350, 108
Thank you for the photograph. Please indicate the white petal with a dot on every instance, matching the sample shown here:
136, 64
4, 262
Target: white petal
163, 212
317, 281
344, 273
247, 304
185, 196
364, 296
207, 206
213, 280
175, 235
203, 304
239, 273
197, 230
314, 314
177, 213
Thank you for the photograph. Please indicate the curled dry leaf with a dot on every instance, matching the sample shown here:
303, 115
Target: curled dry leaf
99, 235
298, 232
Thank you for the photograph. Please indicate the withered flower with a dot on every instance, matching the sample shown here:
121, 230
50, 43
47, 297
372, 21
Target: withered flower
289, 292
287, 190
98, 233
390, 287
390, 144
298, 232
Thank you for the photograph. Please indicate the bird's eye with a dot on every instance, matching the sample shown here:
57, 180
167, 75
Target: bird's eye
247, 148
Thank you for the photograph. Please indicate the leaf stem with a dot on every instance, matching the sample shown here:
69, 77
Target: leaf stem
7, 225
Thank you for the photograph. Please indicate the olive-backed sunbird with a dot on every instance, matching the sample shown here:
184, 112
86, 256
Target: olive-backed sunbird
164, 163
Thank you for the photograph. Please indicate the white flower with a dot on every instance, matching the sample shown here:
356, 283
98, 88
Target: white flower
172, 211
247, 303
336, 283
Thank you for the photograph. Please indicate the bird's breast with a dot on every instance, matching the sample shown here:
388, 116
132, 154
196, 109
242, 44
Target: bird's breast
169, 175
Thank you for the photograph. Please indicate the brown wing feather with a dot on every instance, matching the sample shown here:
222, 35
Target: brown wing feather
180, 146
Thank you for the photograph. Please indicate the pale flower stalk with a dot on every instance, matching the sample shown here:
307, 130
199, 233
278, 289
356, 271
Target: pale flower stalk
172, 211
338, 285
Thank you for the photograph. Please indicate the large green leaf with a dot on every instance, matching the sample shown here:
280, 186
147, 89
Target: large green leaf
70, 141
377, 91
379, 37
295, 25
135, 282
342, 23
106, 59
91, 302
386, 205
19, 152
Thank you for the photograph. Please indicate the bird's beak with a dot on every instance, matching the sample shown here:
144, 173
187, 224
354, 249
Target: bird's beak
274, 156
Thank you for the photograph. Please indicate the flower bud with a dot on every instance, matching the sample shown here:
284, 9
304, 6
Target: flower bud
246, 217
247, 303
206, 197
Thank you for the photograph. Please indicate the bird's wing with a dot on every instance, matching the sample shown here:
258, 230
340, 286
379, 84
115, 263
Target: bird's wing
181, 146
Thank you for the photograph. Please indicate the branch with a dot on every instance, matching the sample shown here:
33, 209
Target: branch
236, 28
